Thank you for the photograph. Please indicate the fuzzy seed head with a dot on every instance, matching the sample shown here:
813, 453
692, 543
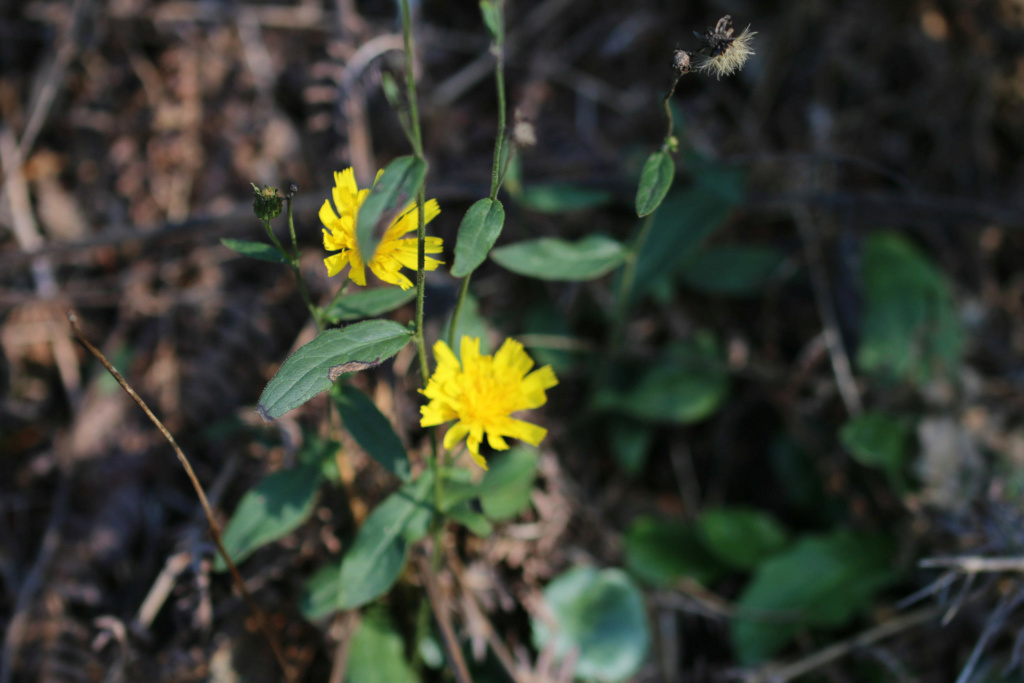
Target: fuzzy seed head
722, 54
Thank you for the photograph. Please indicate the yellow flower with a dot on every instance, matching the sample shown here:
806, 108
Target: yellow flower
394, 251
482, 392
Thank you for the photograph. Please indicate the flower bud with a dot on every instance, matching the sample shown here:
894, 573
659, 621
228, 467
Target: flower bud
267, 204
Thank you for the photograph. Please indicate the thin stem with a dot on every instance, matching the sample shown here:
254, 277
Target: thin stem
200, 493
293, 261
628, 277
668, 110
410, 82
497, 169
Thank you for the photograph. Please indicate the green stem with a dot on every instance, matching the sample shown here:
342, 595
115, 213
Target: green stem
410, 82
626, 283
497, 169
292, 259
668, 111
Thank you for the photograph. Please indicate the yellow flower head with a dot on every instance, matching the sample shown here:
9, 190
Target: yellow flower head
394, 251
482, 392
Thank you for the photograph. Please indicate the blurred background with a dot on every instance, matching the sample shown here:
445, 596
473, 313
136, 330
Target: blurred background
827, 333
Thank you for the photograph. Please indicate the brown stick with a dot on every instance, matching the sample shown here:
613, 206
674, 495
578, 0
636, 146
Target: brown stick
451, 643
198, 487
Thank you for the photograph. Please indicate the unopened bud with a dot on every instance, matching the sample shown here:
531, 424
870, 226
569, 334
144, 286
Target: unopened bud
267, 204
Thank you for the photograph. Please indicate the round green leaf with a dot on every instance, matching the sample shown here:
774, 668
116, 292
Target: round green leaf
256, 250
550, 258
877, 440
369, 303
389, 196
600, 615
478, 232
655, 182
740, 537
313, 367
271, 510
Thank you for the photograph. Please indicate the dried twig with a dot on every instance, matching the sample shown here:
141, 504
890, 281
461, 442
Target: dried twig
437, 604
200, 493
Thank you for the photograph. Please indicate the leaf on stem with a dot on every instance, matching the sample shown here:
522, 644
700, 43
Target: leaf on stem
256, 250
478, 232
307, 372
655, 182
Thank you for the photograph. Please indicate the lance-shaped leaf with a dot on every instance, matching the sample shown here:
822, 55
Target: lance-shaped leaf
655, 181
550, 258
367, 304
313, 367
372, 431
373, 563
478, 232
390, 195
256, 250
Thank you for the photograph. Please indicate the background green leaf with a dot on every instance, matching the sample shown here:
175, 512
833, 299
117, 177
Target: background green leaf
876, 440
549, 258
478, 232
506, 488
661, 551
271, 510
376, 653
910, 325
685, 219
735, 270
601, 614
822, 581
655, 182
562, 198
395, 190
372, 431
256, 250
686, 385
372, 565
368, 303
307, 372
740, 537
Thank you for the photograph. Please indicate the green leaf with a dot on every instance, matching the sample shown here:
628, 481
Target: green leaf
601, 616
368, 304
506, 488
562, 198
271, 510
823, 581
877, 440
630, 442
910, 327
655, 182
391, 195
257, 250
493, 21
687, 385
372, 565
661, 551
376, 653
549, 258
687, 217
471, 324
372, 431
320, 593
732, 270
314, 366
740, 537
478, 232
464, 514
